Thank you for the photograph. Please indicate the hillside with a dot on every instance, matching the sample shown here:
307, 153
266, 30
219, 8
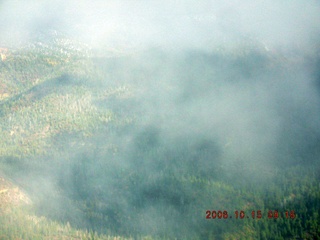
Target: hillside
97, 144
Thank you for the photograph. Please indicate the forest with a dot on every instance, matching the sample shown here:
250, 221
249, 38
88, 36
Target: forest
170, 120
106, 146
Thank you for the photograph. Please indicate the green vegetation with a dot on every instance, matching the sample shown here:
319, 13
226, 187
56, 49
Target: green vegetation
18, 223
96, 167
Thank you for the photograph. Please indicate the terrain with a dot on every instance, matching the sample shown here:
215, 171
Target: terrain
125, 144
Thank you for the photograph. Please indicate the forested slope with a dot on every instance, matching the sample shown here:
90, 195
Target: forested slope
137, 145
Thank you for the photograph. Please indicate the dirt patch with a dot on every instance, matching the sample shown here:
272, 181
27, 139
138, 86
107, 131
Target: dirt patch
11, 195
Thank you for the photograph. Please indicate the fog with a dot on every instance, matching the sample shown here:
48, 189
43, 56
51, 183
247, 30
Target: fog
226, 89
283, 25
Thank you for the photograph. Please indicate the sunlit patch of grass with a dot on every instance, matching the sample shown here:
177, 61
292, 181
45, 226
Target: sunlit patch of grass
4, 96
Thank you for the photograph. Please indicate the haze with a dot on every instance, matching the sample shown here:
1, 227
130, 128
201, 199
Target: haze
237, 79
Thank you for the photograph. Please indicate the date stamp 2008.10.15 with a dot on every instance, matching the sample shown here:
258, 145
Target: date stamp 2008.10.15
270, 214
